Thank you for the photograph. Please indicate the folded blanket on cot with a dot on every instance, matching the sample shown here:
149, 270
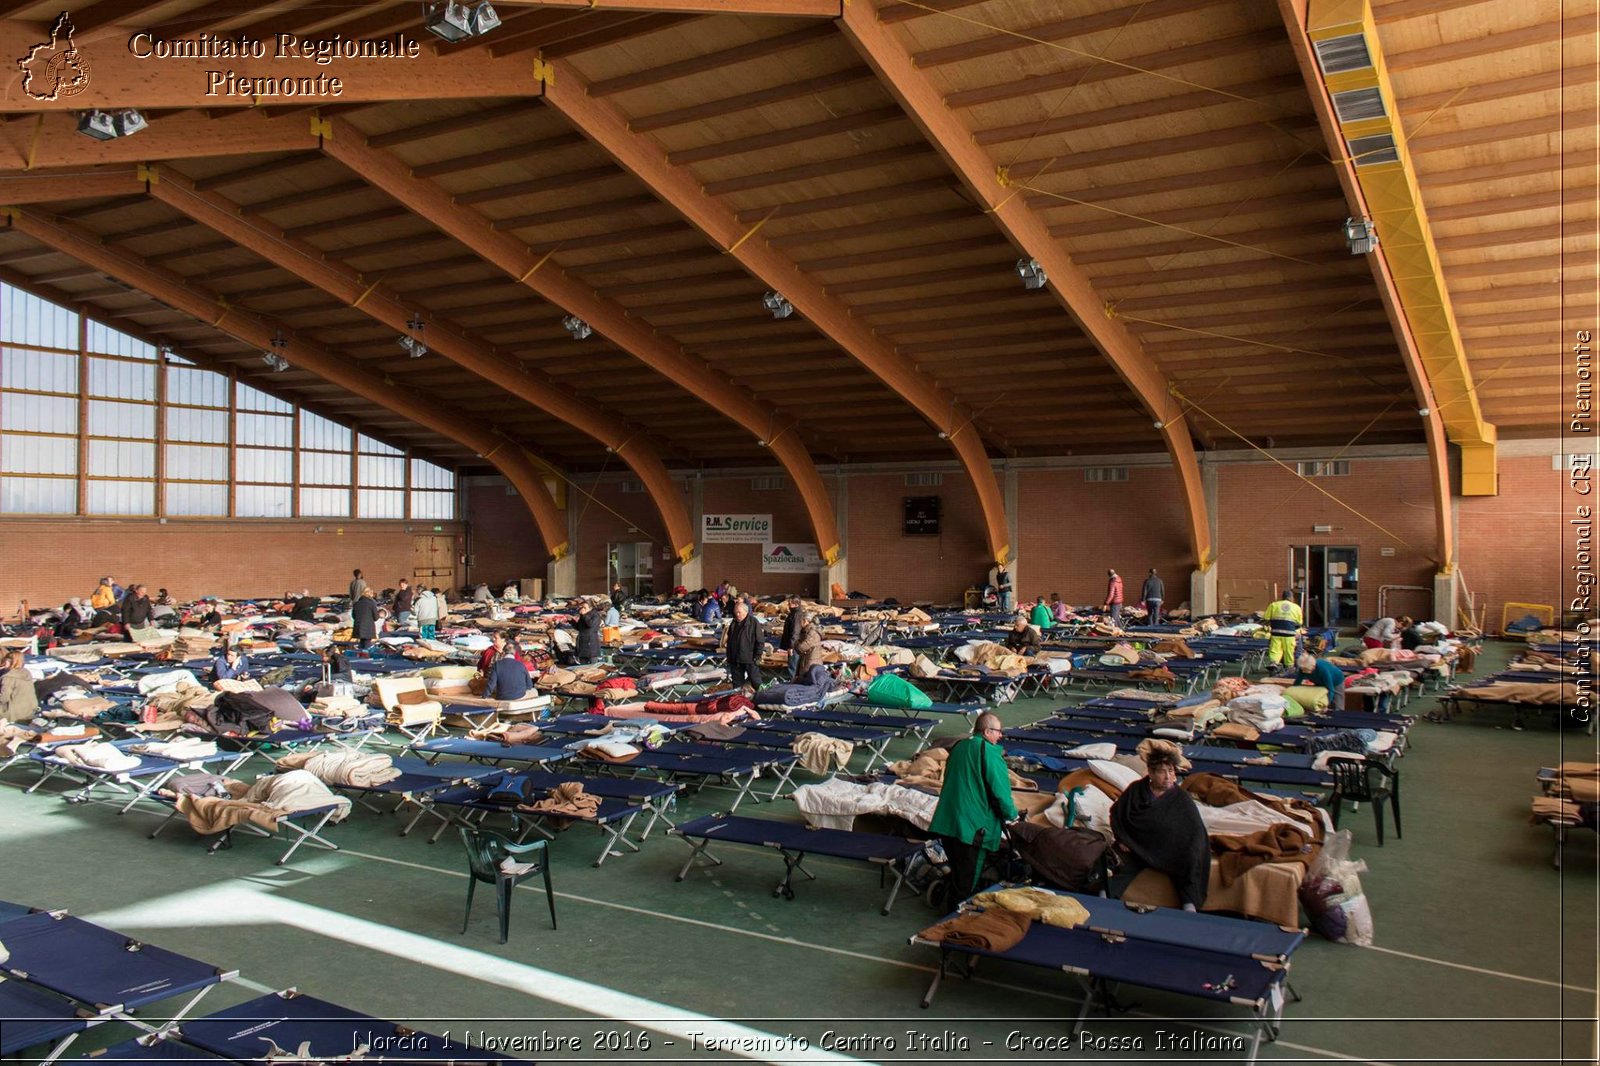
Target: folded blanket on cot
1537, 692
179, 750
339, 766
995, 929
97, 755
818, 752
836, 803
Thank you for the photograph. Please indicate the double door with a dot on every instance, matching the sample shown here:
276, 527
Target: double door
1327, 578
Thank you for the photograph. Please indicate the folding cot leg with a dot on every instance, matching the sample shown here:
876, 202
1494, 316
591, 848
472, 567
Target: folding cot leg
749, 782
46, 774
168, 821
446, 821
938, 976
187, 1007
791, 862
616, 835
784, 773
876, 753
695, 852
894, 890
657, 814
57, 1051
140, 793
309, 836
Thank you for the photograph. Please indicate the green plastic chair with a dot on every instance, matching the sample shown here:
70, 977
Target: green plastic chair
485, 851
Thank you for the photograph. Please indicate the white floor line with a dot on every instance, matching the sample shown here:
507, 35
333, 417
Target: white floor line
1480, 969
897, 963
232, 904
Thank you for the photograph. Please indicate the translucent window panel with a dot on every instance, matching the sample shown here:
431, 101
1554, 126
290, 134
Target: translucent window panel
199, 387
265, 464
318, 432
325, 468
120, 458
381, 472
381, 503
377, 447
262, 501
191, 424
433, 505
122, 381
122, 497
255, 400
40, 371
26, 319
273, 431
194, 462
40, 414
197, 500
325, 503
108, 418
38, 455
425, 475
38, 495
108, 341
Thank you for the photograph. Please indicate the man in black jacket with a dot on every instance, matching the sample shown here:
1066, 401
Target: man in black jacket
792, 625
402, 604
744, 647
589, 620
136, 608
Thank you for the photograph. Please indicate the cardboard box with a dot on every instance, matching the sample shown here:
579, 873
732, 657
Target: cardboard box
531, 588
1243, 597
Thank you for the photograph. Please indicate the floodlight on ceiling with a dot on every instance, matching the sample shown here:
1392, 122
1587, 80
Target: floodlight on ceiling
576, 326
109, 125
457, 22
1031, 273
775, 303
412, 342
275, 362
1360, 235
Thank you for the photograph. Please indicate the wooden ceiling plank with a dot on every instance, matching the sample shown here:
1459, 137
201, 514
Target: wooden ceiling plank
730, 105
783, 138
711, 61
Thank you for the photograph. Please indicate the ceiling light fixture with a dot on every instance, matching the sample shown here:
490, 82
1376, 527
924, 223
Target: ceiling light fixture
1031, 273
775, 302
1360, 235
275, 358
412, 342
457, 22
108, 125
576, 326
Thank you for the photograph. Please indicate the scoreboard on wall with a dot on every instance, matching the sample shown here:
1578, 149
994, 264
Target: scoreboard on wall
921, 516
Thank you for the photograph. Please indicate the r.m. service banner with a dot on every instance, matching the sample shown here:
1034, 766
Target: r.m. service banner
735, 528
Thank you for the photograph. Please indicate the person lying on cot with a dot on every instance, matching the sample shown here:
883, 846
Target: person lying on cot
1157, 825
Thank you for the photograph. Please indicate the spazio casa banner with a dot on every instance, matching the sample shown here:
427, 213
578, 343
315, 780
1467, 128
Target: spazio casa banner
735, 528
790, 559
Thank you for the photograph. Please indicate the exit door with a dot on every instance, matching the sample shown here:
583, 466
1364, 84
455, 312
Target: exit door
433, 562
1328, 580
631, 564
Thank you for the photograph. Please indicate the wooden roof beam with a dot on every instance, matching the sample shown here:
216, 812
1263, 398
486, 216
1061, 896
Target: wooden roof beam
51, 140
820, 9
383, 306
506, 252
1069, 284
641, 156
260, 332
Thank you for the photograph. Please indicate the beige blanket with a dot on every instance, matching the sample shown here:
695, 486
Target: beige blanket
339, 766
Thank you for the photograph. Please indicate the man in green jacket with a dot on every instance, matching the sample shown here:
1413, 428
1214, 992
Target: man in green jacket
976, 798
1042, 617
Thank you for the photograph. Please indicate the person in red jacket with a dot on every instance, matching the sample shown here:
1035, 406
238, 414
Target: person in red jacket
1114, 597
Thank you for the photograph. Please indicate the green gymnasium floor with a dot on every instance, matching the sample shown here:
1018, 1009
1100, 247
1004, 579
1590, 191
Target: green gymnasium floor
1482, 946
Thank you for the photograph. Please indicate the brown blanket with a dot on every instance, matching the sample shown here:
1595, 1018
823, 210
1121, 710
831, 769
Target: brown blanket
995, 929
213, 814
1236, 855
567, 800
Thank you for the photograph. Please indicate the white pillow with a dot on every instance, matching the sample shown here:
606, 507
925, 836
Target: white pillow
615, 750
1113, 773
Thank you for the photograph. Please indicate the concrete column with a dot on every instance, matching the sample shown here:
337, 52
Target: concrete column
1009, 487
839, 572
1446, 590
691, 575
561, 576
1203, 597
1203, 592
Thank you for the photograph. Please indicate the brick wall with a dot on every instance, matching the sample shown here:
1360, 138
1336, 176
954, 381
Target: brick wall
608, 515
1263, 510
885, 562
1069, 531
505, 543
1514, 546
741, 563
48, 560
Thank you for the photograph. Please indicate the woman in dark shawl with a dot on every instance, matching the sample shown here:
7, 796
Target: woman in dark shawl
1157, 825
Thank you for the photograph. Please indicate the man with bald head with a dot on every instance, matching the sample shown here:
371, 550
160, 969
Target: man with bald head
974, 804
